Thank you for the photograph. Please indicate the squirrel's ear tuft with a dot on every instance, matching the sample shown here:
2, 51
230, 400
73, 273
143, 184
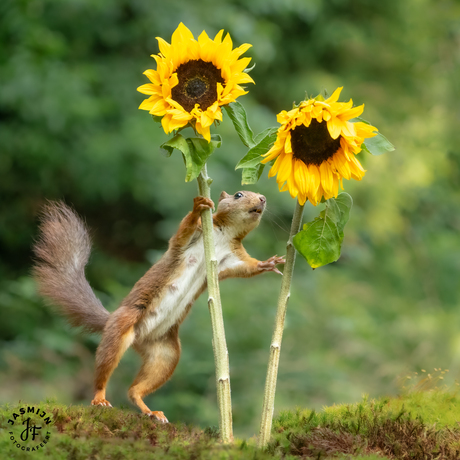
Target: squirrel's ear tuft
223, 195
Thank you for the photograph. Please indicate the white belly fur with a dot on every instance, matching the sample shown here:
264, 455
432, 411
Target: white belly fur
182, 290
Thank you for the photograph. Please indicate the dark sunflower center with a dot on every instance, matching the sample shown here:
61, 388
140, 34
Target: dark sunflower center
197, 84
313, 144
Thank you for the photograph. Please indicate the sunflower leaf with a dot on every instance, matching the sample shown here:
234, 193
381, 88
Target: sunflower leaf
157, 118
252, 175
377, 145
237, 114
320, 241
254, 156
265, 133
177, 142
200, 150
195, 152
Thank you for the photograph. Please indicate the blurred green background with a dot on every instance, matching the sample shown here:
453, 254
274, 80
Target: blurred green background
70, 129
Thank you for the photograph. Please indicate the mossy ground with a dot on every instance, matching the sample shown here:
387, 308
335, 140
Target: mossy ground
419, 425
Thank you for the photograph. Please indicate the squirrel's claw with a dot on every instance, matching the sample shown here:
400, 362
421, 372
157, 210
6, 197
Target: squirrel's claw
201, 203
160, 416
270, 264
100, 402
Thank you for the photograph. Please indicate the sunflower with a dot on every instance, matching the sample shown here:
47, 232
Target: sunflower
194, 78
316, 146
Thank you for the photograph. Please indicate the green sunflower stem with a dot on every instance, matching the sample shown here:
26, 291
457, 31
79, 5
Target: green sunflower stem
219, 344
275, 347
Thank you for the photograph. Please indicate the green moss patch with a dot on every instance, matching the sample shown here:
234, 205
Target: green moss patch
419, 425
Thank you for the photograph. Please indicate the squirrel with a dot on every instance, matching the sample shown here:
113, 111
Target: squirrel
149, 317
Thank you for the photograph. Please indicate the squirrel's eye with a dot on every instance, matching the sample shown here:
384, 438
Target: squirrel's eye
238, 195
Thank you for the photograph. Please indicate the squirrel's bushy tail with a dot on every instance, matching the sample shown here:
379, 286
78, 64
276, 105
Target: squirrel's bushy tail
62, 251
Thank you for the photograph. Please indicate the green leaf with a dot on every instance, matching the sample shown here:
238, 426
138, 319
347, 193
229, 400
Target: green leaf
264, 141
264, 133
156, 118
200, 151
377, 145
177, 142
320, 241
216, 140
239, 118
252, 175
195, 152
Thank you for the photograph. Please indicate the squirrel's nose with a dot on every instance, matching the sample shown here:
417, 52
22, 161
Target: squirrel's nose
262, 199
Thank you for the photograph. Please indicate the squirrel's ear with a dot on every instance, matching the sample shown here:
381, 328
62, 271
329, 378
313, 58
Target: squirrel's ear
223, 195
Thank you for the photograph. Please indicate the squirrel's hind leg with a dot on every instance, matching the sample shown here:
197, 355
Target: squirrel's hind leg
117, 337
159, 359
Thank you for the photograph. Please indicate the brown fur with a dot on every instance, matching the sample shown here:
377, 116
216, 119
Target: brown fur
62, 252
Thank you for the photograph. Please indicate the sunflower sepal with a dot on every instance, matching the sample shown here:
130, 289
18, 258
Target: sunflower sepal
156, 118
320, 241
195, 152
249, 69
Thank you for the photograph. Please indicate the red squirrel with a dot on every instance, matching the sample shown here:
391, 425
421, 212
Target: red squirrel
150, 315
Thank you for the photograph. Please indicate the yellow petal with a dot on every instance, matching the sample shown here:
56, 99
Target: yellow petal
275, 168
287, 143
146, 104
334, 126
292, 186
181, 34
351, 113
341, 164
165, 123
164, 46
335, 95
153, 76
237, 52
159, 108
204, 131
300, 176
147, 89
218, 37
285, 168
302, 199
272, 153
326, 177
315, 179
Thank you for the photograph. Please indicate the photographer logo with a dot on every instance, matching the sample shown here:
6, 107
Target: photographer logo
30, 428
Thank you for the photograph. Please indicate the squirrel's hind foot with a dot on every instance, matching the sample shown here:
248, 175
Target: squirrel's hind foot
100, 402
158, 415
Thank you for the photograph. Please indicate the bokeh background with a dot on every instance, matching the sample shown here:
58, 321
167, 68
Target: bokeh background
70, 129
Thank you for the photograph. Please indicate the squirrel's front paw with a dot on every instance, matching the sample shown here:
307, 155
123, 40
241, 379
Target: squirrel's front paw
158, 415
100, 402
200, 203
270, 264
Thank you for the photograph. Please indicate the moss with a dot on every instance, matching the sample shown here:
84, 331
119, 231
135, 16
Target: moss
95, 432
417, 425
394, 428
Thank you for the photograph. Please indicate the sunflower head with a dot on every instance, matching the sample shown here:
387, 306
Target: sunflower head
193, 79
316, 146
